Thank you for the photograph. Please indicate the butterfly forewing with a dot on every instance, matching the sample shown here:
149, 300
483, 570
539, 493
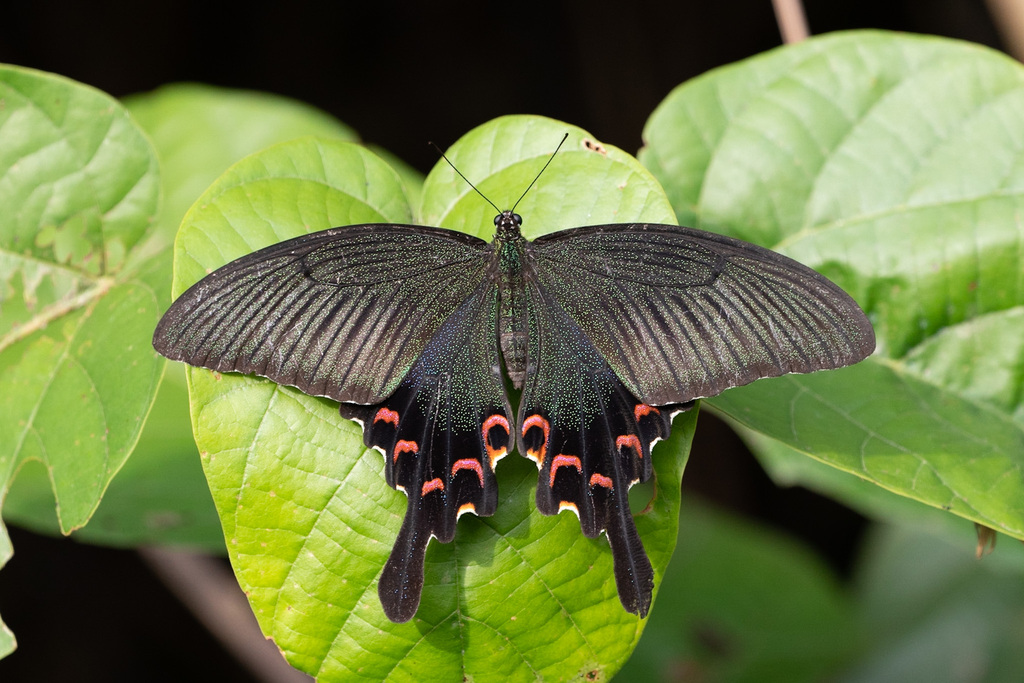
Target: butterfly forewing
682, 314
342, 313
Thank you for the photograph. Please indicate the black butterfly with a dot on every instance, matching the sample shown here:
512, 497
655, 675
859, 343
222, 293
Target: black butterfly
608, 330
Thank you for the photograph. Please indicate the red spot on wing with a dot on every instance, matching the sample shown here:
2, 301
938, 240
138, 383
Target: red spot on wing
600, 480
405, 447
643, 409
564, 461
631, 441
496, 419
494, 454
386, 415
537, 421
469, 464
432, 485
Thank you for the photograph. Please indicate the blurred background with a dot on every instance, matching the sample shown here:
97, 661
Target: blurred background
400, 74
405, 73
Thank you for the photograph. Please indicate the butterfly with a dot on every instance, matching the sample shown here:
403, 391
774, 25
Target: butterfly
607, 330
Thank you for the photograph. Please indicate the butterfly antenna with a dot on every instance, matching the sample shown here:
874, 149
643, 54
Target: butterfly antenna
529, 187
464, 177
550, 159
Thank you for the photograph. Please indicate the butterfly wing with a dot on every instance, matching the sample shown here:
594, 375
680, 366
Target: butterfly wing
590, 437
398, 317
630, 323
441, 432
682, 314
342, 313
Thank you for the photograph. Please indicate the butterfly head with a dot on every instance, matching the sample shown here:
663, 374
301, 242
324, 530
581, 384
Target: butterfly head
507, 224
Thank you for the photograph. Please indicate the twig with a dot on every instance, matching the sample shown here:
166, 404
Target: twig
1008, 16
210, 592
792, 21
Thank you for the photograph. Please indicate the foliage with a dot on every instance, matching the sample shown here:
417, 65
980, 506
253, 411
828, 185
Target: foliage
888, 162
307, 514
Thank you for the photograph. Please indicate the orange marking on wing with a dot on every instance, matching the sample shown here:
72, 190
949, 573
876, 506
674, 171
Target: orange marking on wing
386, 415
632, 441
564, 461
432, 485
600, 480
496, 419
464, 508
469, 464
643, 409
494, 454
405, 447
538, 421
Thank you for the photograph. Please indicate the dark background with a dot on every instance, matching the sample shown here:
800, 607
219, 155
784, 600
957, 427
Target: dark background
399, 74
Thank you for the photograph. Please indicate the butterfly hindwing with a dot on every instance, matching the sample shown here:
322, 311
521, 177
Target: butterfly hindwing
682, 314
442, 431
342, 313
591, 439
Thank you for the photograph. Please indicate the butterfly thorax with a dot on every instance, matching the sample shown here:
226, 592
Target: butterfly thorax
509, 255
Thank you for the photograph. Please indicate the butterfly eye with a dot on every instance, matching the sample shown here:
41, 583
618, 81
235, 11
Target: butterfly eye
517, 218
497, 219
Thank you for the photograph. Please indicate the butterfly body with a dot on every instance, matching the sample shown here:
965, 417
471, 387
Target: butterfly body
509, 246
607, 330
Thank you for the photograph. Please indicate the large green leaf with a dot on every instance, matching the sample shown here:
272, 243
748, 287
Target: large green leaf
200, 130
891, 163
306, 511
79, 189
161, 496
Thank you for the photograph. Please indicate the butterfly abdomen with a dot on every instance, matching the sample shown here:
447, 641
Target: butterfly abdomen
513, 327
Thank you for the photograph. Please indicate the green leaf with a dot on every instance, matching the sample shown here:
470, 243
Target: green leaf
161, 496
79, 187
412, 179
77, 374
741, 602
200, 130
890, 163
788, 467
307, 513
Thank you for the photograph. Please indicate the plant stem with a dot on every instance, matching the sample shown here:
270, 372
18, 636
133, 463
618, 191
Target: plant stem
1008, 16
210, 592
792, 20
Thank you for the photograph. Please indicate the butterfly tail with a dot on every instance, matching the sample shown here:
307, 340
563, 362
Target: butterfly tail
401, 582
634, 575
387, 427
